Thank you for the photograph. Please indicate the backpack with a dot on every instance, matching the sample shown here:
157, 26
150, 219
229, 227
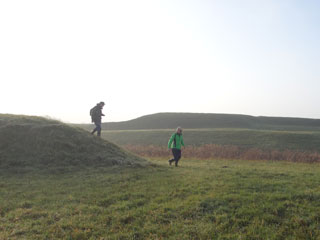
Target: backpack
93, 112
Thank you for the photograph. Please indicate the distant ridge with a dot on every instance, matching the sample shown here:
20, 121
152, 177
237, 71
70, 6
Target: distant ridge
212, 120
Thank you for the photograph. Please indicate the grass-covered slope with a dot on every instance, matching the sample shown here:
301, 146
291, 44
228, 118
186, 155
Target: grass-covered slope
38, 142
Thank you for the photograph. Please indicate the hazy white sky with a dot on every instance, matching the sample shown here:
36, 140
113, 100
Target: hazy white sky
258, 57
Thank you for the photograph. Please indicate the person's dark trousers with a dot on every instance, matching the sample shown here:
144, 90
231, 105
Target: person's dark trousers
97, 128
176, 156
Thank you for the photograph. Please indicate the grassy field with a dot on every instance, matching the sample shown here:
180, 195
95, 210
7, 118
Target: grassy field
245, 138
207, 199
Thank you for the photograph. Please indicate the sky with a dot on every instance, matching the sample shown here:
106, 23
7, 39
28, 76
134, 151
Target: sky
257, 57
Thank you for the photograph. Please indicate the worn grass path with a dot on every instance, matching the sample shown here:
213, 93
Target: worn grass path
207, 199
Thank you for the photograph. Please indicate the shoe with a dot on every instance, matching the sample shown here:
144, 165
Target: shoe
170, 162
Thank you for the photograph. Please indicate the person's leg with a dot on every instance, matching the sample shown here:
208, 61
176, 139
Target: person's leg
176, 154
177, 157
99, 129
95, 129
172, 160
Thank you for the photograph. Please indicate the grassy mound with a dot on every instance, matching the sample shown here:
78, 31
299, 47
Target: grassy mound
38, 142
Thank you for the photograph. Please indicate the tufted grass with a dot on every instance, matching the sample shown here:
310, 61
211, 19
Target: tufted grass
201, 199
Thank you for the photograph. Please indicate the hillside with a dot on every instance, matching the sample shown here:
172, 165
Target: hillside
212, 120
38, 142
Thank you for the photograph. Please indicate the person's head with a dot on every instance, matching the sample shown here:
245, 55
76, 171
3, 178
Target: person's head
179, 130
101, 104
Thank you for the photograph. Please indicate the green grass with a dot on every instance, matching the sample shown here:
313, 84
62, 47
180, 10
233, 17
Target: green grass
35, 142
246, 138
207, 199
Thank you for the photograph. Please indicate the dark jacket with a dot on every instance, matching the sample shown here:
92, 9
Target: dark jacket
96, 113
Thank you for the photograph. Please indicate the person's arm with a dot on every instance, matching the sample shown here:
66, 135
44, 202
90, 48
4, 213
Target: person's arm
100, 113
170, 141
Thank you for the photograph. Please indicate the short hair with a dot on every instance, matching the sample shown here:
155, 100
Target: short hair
178, 129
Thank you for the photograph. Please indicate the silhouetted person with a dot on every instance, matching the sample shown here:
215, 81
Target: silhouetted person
96, 116
175, 143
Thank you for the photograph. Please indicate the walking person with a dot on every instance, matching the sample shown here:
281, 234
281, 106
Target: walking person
96, 116
175, 143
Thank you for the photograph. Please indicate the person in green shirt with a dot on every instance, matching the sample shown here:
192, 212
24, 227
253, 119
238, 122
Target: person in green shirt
175, 143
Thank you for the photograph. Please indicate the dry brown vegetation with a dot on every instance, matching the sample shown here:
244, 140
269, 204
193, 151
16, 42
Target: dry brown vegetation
227, 152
